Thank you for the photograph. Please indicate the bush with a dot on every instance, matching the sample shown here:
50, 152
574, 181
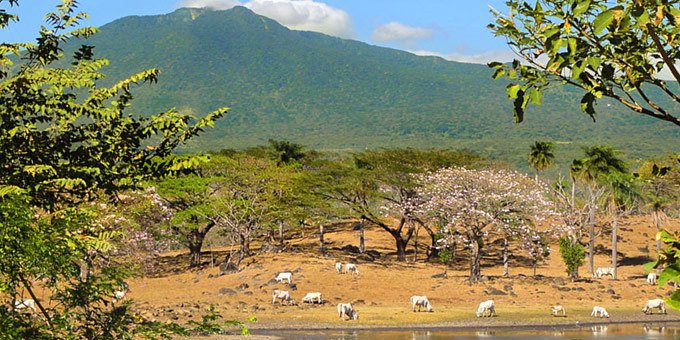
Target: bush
573, 255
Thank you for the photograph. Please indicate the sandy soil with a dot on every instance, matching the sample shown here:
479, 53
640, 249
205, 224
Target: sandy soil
381, 292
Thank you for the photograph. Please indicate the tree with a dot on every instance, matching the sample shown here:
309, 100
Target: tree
541, 156
599, 164
474, 201
71, 141
615, 49
572, 255
659, 183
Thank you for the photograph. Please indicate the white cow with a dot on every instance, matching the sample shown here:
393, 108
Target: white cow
420, 301
27, 303
351, 268
599, 272
282, 295
338, 267
288, 276
651, 278
558, 309
120, 293
312, 298
599, 311
652, 304
346, 309
486, 306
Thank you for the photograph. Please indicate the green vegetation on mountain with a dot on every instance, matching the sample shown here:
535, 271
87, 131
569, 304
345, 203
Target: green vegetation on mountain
330, 93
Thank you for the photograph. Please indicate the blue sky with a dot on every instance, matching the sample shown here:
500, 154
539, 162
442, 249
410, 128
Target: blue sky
454, 29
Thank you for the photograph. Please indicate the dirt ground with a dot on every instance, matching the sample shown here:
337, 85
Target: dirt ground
382, 290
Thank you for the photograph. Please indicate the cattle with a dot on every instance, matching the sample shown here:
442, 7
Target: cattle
338, 267
288, 276
312, 298
602, 271
282, 295
651, 278
484, 307
351, 268
420, 301
599, 312
345, 309
23, 304
654, 304
558, 309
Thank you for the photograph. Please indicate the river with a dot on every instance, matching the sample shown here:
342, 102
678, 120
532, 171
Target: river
611, 331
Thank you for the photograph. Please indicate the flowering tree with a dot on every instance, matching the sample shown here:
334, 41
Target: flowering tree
471, 202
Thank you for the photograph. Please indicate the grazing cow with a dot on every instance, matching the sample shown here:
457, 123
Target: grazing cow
651, 278
558, 309
23, 304
312, 298
652, 304
486, 306
420, 301
282, 295
599, 311
351, 268
346, 309
599, 272
288, 276
338, 267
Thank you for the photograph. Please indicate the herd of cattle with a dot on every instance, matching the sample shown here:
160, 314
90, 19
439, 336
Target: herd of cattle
485, 309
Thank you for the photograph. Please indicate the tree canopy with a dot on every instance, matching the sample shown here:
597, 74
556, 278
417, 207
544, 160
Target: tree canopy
616, 49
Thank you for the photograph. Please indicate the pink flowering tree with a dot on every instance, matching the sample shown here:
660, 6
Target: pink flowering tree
470, 203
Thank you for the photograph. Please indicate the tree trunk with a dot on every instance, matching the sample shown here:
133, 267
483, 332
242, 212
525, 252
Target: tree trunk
401, 248
281, 232
591, 240
615, 228
475, 254
506, 252
195, 243
657, 223
322, 248
415, 245
362, 246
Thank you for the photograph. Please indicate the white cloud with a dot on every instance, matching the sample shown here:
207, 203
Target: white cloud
400, 33
480, 58
214, 4
304, 15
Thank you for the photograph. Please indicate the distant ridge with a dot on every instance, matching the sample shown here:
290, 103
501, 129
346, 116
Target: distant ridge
332, 93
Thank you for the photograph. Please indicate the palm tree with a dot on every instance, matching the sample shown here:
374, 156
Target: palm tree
601, 162
541, 156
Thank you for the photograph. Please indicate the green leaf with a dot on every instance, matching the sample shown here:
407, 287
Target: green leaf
603, 20
499, 73
535, 95
588, 104
494, 64
512, 90
670, 273
649, 266
581, 7
674, 300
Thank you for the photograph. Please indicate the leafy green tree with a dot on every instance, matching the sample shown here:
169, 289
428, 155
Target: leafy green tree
64, 141
541, 156
573, 255
614, 49
595, 169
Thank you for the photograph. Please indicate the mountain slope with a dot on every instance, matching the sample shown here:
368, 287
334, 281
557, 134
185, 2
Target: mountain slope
328, 92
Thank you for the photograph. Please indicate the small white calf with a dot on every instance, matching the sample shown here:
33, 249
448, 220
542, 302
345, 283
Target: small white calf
338, 267
558, 309
351, 268
599, 311
420, 301
282, 295
312, 298
651, 278
288, 276
486, 306
27, 303
118, 295
602, 271
346, 309
652, 304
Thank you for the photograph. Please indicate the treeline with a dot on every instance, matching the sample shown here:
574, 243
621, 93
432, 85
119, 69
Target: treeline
267, 193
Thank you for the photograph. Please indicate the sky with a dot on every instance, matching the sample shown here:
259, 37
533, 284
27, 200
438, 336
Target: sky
453, 29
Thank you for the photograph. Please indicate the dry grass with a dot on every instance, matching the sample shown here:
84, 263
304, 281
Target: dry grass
381, 293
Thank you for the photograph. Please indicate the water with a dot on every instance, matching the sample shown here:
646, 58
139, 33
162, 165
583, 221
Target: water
614, 331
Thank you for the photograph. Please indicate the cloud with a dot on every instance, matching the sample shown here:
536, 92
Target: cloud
400, 33
505, 55
303, 15
214, 4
